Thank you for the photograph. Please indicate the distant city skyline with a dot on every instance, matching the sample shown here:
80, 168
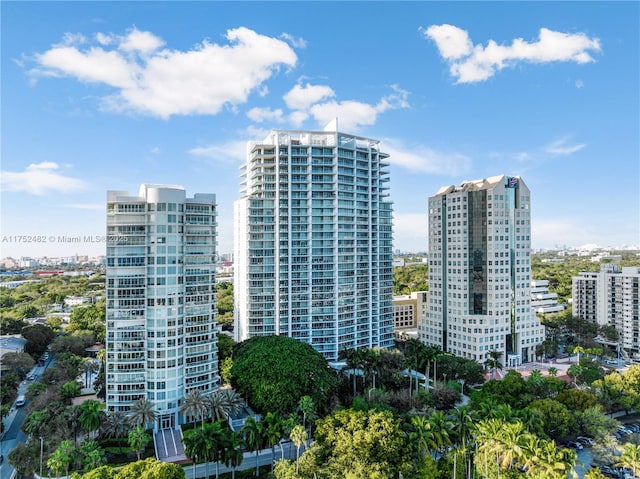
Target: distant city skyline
111, 95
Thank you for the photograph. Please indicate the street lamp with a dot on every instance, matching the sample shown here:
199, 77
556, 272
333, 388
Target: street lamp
41, 446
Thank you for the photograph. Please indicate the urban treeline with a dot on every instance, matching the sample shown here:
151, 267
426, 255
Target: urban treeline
372, 419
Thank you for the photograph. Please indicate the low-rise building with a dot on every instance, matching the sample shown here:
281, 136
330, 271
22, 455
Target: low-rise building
543, 301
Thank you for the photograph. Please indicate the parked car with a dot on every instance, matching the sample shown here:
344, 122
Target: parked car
585, 441
575, 445
31, 377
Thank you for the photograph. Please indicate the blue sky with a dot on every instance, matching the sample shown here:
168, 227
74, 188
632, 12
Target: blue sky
108, 95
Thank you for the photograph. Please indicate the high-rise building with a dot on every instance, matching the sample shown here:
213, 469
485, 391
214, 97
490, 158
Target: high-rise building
610, 298
313, 241
161, 303
480, 271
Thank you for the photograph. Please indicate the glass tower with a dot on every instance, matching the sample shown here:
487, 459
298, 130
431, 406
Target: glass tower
480, 271
313, 235
161, 302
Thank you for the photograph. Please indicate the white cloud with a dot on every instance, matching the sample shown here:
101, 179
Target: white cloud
421, 159
265, 114
579, 84
560, 147
352, 114
104, 38
40, 179
143, 42
301, 97
296, 42
453, 42
470, 63
230, 152
165, 82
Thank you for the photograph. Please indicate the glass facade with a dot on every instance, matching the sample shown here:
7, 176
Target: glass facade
161, 300
313, 242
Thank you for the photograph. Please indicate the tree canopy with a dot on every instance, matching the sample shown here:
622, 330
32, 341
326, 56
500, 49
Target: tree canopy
274, 372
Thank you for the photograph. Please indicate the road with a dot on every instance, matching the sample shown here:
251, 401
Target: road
13, 423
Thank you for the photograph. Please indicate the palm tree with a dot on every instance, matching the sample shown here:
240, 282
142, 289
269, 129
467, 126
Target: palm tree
413, 352
62, 458
253, 432
630, 457
233, 455
194, 404
224, 402
115, 426
90, 415
544, 460
308, 408
196, 445
349, 356
298, 436
138, 440
463, 424
142, 412
421, 435
440, 427
273, 429
493, 362
553, 371
217, 439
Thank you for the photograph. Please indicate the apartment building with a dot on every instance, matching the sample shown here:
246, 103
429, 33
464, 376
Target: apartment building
480, 271
313, 257
161, 303
610, 297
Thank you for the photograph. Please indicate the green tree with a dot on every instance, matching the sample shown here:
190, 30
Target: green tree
225, 347
115, 425
223, 402
138, 440
92, 456
62, 458
630, 457
557, 419
150, 469
88, 318
254, 436
299, 437
38, 337
194, 405
353, 443
142, 412
91, 415
273, 432
233, 455
493, 362
274, 372
20, 363
10, 324
308, 409
25, 458
196, 445
70, 389
102, 472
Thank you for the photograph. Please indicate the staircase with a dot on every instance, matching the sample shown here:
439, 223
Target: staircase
168, 445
